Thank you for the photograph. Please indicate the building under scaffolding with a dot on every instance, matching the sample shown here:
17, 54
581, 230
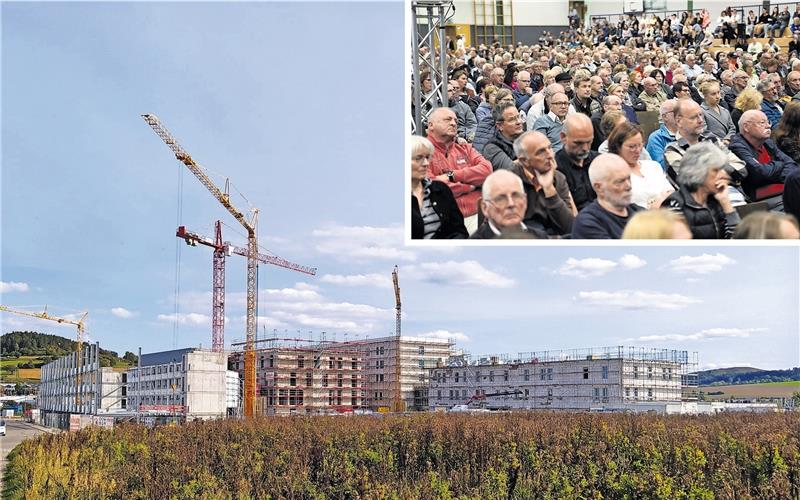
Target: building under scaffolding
609, 378
301, 376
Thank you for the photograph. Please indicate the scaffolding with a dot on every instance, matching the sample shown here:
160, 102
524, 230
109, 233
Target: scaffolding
429, 51
567, 378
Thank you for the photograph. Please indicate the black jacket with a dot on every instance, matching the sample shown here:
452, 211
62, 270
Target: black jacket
500, 152
759, 174
531, 231
450, 217
706, 223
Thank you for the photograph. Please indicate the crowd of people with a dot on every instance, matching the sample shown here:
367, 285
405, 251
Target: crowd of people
635, 129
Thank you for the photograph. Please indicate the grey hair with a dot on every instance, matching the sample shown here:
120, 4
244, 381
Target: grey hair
607, 99
419, 143
697, 162
618, 77
488, 184
499, 109
763, 84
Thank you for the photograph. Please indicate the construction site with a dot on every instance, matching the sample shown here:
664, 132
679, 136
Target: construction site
311, 376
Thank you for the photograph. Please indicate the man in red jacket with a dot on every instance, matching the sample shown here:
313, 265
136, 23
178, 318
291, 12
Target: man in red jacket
458, 165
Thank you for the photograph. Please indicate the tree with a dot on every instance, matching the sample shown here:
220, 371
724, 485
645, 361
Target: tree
130, 357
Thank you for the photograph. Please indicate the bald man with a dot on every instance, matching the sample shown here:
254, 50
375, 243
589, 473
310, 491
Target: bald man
606, 217
549, 201
458, 165
766, 163
652, 95
503, 206
575, 157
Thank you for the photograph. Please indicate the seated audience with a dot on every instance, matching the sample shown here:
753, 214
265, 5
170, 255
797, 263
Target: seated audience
718, 119
665, 134
657, 224
434, 211
605, 218
552, 123
702, 195
748, 99
787, 133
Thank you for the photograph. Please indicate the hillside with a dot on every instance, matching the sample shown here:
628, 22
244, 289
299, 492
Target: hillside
746, 375
40, 348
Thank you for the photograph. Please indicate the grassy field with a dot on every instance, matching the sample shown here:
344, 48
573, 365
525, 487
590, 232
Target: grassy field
9, 371
768, 390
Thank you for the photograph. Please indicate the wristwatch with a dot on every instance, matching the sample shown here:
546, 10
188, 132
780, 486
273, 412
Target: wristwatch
451, 176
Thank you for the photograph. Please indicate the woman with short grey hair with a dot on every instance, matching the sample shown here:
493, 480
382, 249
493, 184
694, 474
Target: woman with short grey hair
702, 196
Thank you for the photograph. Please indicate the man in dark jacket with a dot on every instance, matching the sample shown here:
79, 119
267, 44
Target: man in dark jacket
503, 206
500, 151
576, 156
766, 164
606, 217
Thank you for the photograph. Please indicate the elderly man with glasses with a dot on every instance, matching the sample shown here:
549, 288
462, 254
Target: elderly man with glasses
500, 150
552, 123
503, 205
766, 163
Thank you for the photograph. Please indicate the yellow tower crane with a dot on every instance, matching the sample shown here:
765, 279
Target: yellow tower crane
252, 255
398, 405
81, 324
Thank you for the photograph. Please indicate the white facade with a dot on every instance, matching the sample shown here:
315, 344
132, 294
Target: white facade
576, 384
188, 382
233, 390
69, 386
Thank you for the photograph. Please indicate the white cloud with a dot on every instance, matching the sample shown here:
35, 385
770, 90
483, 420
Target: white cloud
123, 313
465, 273
636, 299
710, 333
631, 262
445, 334
590, 267
701, 264
376, 280
13, 286
186, 319
363, 242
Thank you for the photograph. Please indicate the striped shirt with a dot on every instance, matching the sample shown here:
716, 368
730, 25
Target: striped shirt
429, 215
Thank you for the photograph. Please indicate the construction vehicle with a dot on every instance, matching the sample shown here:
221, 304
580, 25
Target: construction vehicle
475, 398
81, 324
221, 249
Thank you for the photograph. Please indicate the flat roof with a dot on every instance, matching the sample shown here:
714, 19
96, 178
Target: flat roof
164, 357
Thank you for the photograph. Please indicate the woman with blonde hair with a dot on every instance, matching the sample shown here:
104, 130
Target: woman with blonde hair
768, 226
748, 99
434, 211
658, 224
718, 119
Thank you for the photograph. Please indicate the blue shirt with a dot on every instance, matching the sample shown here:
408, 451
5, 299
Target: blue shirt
773, 112
657, 142
550, 127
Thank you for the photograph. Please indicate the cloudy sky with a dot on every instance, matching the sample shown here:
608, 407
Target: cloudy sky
311, 134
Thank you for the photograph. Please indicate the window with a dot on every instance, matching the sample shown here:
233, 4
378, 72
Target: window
596, 392
381, 366
293, 379
301, 361
353, 381
605, 372
505, 376
339, 363
649, 372
338, 398
526, 393
585, 372
309, 379
542, 374
282, 397
463, 393
549, 393
649, 393
477, 376
491, 376
330, 363
353, 398
635, 372
292, 397
605, 392
339, 380
354, 364
330, 398
549, 374
456, 377
325, 380
421, 364
451, 394
262, 363
627, 392
381, 351
299, 398
422, 350
271, 361
439, 394
635, 393
380, 377
526, 375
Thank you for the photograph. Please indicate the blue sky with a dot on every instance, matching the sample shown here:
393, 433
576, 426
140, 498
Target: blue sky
308, 125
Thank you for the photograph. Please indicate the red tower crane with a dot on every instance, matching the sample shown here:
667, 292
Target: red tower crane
221, 249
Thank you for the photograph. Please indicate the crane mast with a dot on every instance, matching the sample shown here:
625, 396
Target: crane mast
81, 324
221, 249
398, 397
252, 247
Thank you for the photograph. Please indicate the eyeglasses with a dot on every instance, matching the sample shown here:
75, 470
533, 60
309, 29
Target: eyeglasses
503, 200
514, 119
560, 103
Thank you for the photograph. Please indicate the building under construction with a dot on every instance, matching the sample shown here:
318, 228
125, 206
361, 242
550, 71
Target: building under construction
610, 378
